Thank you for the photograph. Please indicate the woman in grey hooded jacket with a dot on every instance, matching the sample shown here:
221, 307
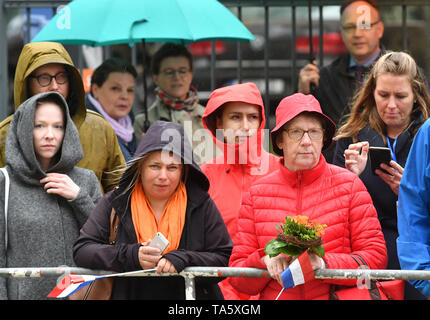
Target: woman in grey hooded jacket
46, 207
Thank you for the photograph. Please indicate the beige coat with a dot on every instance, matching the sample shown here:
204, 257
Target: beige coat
102, 153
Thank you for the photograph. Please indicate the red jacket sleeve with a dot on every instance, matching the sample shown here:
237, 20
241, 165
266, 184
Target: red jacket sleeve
367, 239
247, 252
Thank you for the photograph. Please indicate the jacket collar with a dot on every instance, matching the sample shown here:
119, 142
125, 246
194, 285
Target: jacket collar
305, 177
374, 138
343, 63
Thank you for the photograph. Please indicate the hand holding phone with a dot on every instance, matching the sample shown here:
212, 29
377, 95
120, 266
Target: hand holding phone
159, 241
379, 155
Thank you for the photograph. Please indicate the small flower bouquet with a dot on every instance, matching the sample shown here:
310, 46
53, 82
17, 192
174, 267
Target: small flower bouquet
297, 235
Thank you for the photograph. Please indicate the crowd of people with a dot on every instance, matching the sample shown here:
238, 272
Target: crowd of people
205, 177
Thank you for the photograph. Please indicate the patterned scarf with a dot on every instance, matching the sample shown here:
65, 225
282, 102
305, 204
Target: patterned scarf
177, 104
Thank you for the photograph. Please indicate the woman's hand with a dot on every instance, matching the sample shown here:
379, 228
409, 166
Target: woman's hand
277, 265
61, 184
315, 261
148, 256
165, 266
356, 157
392, 179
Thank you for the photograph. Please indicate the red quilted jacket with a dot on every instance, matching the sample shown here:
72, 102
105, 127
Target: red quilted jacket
328, 194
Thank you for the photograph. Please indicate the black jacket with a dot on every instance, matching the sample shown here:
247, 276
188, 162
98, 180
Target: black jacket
384, 199
337, 86
204, 242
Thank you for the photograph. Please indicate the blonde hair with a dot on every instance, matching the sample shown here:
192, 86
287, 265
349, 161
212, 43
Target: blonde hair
364, 111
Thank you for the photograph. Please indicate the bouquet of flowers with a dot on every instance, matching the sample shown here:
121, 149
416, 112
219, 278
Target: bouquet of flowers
297, 235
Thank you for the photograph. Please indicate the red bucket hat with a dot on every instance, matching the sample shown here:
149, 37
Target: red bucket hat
294, 105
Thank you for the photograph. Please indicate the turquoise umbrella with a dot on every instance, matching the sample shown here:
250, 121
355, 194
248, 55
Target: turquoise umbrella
108, 22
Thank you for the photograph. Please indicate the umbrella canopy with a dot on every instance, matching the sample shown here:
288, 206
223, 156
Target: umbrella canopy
109, 22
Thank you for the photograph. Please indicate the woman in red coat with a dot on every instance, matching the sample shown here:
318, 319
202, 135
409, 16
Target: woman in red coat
305, 184
235, 118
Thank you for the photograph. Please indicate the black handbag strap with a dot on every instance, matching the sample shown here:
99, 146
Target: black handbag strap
374, 289
374, 281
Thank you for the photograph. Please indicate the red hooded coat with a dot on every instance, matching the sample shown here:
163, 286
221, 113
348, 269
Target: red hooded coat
240, 165
232, 173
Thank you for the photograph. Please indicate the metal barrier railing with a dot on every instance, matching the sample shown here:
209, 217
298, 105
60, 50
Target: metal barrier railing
189, 274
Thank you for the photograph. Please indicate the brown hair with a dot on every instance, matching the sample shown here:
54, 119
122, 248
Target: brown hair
54, 99
364, 111
134, 168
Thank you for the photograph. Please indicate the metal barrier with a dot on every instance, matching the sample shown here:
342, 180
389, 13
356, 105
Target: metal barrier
189, 274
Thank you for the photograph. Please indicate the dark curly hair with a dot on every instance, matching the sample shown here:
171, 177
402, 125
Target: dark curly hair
170, 50
101, 73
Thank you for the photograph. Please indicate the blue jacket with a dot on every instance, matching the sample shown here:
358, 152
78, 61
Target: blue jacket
413, 243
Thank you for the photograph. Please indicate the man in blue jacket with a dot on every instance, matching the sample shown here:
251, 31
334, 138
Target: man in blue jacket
413, 243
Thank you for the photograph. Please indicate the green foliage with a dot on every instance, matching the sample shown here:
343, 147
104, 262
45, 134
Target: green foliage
275, 247
302, 230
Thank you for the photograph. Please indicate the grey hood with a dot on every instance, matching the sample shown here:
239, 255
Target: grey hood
20, 155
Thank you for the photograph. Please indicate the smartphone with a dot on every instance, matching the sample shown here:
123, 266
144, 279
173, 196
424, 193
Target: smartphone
159, 241
379, 155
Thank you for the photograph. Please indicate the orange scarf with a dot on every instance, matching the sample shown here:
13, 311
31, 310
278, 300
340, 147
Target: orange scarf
171, 222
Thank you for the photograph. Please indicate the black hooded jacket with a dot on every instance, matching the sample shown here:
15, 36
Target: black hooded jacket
204, 241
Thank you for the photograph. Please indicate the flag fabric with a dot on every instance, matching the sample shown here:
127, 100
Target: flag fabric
298, 272
73, 282
70, 284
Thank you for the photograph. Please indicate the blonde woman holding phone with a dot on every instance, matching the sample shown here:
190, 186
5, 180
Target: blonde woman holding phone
387, 112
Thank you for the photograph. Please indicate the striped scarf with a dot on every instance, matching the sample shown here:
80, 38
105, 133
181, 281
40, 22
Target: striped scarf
177, 104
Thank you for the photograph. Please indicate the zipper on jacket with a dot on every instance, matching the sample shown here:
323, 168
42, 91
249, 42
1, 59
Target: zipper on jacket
243, 179
299, 192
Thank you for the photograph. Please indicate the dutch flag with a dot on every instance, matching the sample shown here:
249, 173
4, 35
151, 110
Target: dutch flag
73, 282
70, 284
298, 272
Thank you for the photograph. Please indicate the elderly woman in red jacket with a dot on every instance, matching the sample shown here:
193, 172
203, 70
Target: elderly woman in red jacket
306, 184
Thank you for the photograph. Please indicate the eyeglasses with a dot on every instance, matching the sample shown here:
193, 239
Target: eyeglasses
45, 79
350, 28
172, 73
297, 134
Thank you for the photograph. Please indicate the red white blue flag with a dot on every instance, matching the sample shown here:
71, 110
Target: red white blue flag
298, 272
73, 282
70, 284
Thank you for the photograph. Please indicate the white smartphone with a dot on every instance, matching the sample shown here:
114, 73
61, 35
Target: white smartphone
159, 241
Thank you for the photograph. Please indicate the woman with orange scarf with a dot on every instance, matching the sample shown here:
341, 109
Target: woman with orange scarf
162, 190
